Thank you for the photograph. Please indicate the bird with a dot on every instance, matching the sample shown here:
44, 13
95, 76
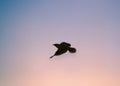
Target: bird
63, 47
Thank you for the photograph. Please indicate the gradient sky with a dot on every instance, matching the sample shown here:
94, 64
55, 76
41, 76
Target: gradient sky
28, 28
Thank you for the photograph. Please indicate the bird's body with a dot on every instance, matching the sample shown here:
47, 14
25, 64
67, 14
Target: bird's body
63, 48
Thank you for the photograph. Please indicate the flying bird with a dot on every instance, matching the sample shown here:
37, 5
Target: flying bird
63, 47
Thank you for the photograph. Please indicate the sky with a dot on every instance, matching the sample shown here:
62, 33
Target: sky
28, 28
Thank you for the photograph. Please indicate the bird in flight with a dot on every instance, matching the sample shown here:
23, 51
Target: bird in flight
63, 47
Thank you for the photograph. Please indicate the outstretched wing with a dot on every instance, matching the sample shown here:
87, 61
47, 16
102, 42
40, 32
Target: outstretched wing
67, 44
72, 50
57, 45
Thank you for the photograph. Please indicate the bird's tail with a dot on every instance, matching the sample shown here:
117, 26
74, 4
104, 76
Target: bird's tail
51, 56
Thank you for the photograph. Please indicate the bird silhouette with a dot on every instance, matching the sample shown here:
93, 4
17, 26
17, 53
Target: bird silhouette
63, 47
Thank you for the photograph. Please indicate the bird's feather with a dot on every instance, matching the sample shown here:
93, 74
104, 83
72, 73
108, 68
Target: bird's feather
64, 43
57, 45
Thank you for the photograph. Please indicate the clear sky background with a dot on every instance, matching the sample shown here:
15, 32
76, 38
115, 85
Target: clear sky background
28, 28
